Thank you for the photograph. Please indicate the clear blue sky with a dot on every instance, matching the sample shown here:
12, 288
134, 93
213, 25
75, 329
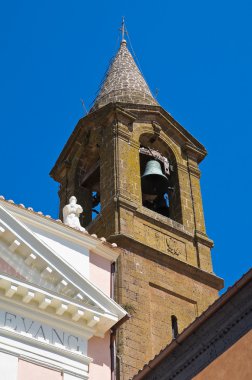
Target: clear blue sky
197, 53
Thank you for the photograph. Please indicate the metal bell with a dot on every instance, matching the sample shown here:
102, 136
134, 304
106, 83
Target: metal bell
154, 182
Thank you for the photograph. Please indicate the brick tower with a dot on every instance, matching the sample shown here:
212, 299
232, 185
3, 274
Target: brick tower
164, 275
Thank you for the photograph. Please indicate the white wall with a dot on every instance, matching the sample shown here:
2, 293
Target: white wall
77, 256
8, 366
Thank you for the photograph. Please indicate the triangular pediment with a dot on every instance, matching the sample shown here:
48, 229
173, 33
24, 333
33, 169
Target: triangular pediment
30, 271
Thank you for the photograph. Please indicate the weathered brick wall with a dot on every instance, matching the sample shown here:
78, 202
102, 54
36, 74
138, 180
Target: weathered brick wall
152, 291
160, 273
121, 200
148, 285
219, 347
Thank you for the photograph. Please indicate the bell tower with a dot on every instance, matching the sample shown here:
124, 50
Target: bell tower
135, 171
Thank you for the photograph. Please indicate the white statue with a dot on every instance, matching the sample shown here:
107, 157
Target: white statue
71, 214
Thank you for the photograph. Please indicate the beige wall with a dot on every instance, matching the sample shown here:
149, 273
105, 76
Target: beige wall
233, 364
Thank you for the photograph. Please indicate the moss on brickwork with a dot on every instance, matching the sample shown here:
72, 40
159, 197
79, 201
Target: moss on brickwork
165, 265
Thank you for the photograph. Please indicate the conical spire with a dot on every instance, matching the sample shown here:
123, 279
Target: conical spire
123, 82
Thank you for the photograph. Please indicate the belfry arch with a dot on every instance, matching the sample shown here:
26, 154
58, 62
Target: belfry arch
156, 149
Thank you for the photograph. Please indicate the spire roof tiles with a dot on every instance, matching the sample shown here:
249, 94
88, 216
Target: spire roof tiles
123, 82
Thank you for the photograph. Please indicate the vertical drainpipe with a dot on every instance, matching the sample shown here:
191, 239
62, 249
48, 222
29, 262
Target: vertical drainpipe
113, 330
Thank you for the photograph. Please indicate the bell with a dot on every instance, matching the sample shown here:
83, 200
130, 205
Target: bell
154, 182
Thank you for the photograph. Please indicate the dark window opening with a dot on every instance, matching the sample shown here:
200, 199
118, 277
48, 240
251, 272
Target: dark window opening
174, 322
90, 183
155, 183
96, 204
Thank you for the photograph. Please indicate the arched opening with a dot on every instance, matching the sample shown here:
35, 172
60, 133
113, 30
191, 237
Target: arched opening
159, 178
155, 172
87, 185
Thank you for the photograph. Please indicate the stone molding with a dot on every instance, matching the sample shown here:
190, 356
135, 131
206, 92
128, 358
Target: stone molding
133, 112
193, 152
203, 239
150, 253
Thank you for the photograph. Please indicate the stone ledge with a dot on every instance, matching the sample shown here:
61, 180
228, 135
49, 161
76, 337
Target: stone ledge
124, 241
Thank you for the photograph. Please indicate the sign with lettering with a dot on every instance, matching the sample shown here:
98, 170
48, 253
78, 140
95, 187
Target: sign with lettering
41, 332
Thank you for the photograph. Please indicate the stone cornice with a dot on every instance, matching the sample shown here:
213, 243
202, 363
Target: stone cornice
203, 239
164, 222
32, 297
131, 112
160, 220
121, 111
198, 274
165, 116
194, 152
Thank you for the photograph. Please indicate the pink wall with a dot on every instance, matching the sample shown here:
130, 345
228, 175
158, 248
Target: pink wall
99, 272
99, 350
30, 371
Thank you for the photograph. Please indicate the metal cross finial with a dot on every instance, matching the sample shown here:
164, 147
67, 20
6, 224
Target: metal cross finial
123, 30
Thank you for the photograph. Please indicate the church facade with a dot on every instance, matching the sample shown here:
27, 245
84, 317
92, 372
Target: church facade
136, 169
58, 318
